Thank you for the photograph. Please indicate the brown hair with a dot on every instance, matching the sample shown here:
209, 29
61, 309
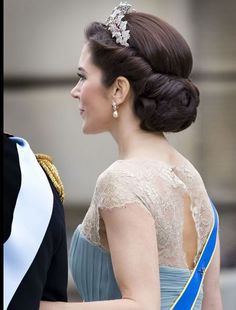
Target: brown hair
157, 64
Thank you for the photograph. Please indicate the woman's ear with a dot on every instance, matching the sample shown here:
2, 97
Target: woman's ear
120, 90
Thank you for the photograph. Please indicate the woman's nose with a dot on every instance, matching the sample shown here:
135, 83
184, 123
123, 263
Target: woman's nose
75, 92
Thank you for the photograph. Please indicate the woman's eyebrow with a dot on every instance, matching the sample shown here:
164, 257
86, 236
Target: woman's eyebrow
81, 69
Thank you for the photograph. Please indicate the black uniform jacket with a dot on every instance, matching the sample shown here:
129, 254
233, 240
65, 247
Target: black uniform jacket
46, 277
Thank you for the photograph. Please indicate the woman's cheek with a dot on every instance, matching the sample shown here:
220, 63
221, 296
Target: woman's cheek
84, 94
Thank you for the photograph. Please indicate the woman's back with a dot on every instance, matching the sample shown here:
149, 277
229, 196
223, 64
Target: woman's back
175, 197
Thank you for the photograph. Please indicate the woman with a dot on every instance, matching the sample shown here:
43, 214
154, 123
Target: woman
150, 224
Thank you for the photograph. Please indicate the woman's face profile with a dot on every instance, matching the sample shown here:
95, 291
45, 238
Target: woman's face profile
95, 103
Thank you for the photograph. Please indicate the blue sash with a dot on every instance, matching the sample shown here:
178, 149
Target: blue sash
188, 296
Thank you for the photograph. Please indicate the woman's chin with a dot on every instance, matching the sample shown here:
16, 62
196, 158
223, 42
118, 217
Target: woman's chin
86, 131
91, 130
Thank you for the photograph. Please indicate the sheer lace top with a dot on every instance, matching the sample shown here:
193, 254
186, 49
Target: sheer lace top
159, 188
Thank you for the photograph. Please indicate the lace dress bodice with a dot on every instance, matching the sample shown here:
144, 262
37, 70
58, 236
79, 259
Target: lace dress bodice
160, 189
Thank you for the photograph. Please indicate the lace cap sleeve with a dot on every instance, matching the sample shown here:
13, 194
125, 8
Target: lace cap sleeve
117, 187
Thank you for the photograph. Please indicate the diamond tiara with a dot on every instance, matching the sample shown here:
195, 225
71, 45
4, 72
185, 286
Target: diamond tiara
116, 26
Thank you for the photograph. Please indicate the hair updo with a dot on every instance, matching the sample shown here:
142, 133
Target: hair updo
157, 64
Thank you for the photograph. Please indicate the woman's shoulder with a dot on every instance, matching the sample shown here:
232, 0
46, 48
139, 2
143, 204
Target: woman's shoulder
116, 186
134, 169
117, 171
138, 170
189, 174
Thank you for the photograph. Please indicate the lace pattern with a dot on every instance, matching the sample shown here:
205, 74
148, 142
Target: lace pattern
159, 189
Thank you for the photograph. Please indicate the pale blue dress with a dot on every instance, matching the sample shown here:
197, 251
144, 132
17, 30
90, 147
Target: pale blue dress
158, 188
92, 271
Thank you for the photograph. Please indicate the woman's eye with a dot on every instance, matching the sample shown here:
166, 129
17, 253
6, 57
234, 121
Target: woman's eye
81, 77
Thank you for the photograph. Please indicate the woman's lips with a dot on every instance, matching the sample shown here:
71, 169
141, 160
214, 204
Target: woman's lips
81, 111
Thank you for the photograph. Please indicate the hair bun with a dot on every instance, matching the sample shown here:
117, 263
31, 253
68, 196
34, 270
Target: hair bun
167, 103
157, 63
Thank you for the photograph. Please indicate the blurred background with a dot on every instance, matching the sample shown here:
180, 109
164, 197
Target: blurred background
42, 43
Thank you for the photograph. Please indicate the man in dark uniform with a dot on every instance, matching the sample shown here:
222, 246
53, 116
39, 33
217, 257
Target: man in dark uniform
35, 249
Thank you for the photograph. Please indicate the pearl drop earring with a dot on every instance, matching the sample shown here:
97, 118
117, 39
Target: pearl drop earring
114, 108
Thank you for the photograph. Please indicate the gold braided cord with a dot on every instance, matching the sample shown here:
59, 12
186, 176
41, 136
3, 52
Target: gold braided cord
46, 163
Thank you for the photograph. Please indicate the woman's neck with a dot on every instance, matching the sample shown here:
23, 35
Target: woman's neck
134, 142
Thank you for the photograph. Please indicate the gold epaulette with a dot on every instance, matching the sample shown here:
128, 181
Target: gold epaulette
46, 163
